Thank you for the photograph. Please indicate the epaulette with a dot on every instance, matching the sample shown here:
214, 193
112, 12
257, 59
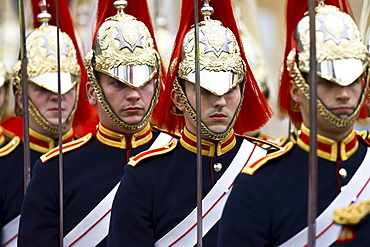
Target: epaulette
352, 214
10, 146
259, 163
153, 152
365, 136
271, 146
157, 129
66, 148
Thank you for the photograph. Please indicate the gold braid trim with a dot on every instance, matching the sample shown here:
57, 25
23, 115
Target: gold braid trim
353, 214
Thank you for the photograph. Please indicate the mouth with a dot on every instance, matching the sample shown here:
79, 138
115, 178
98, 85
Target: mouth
55, 110
219, 116
132, 109
340, 111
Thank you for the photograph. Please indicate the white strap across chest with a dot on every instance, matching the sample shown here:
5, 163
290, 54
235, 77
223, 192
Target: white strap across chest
358, 189
94, 227
10, 233
185, 233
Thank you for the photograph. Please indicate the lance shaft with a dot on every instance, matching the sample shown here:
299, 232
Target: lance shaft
60, 134
24, 82
199, 137
312, 170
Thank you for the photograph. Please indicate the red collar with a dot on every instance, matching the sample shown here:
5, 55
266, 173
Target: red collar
209, 148
122, 140
43, 144
328, 148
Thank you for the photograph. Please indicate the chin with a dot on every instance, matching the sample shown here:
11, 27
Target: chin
218, 129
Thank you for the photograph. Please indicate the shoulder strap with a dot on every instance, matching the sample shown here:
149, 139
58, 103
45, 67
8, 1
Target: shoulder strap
153, 152
10, 146
254, 167
66, 148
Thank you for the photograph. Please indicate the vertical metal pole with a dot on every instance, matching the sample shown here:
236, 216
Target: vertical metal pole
24, 83
60, 134
199, 135
312, 170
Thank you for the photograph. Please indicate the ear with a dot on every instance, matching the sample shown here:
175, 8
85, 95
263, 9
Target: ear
18, 99
91, 95
296, 93
177, 101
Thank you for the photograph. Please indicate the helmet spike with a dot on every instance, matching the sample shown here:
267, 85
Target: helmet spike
207, 10
44, 17
120, 6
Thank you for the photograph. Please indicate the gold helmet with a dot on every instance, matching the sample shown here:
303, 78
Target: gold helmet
341, 56
42, 66
223, 66
124, 49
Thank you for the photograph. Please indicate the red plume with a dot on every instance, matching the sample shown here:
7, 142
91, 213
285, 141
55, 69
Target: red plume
254, 112
295, 11
86, 117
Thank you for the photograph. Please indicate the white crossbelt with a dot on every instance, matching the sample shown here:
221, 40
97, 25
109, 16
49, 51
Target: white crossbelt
327, 231
10, 233
94, 227
185, 233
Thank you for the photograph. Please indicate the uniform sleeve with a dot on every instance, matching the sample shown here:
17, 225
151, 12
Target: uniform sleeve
131, 218
244, 220
39, 223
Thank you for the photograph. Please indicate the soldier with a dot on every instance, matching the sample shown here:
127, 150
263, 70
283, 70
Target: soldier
158, 191
268, 204
124, 72
43, 112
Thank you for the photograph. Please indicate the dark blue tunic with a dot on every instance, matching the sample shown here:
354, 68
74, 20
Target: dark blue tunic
159, 193
90, 173
270, 207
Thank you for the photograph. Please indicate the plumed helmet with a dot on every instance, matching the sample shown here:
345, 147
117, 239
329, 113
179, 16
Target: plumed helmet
42, 66
223, 65
341, 58
124, 49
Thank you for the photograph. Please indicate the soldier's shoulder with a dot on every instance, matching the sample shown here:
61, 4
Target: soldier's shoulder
164, 149
269, 145
10, 146
365, 136
270, 156
163, 131
67, 147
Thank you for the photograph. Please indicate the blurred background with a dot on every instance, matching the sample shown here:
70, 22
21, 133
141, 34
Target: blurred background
261, 23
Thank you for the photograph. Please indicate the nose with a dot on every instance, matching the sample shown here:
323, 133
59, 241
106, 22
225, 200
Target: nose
132, 94
343, 93
219, 101
54, 96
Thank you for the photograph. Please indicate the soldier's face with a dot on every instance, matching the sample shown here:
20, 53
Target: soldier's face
129, 104
341, 101
47, 103
216, 111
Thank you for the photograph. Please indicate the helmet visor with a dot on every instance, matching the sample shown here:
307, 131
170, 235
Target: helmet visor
49, 81
218, 83
133, 76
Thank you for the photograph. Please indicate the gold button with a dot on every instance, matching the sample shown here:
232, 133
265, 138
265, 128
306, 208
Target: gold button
217, 167
343, 187
343, 172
